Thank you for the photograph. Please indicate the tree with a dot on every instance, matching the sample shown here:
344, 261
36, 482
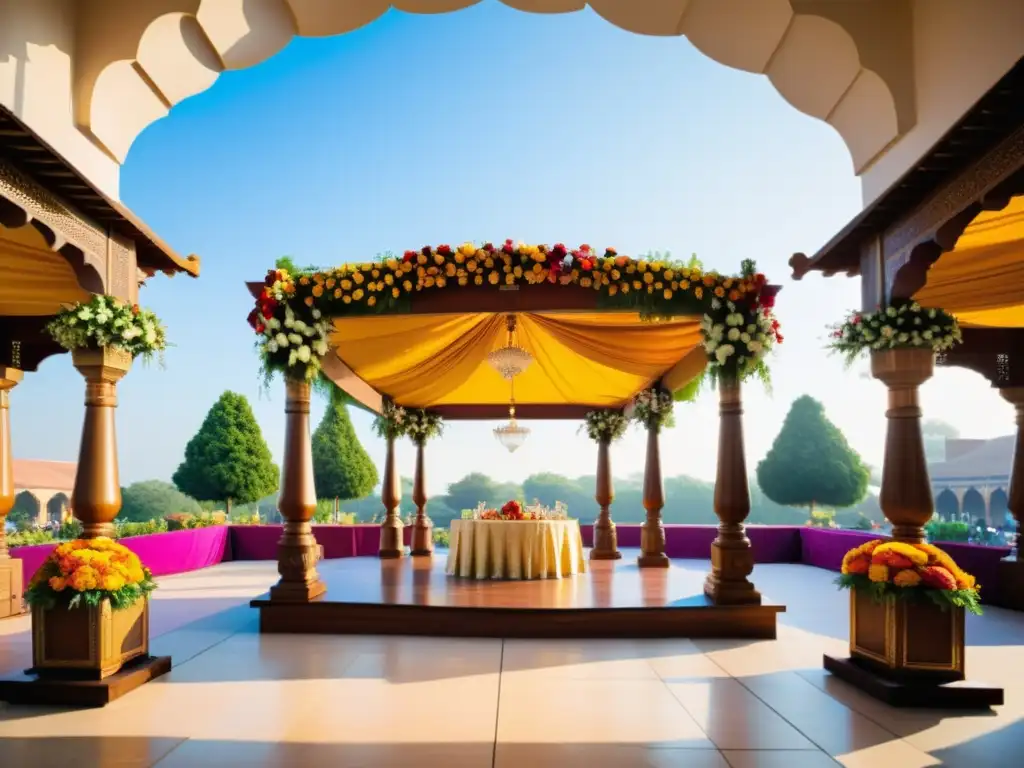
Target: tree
342, 468
227, 459
811, 463
154, 500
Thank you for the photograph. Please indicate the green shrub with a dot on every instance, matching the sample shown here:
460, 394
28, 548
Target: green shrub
178, 521
70, 529
29, 538
127, 528
940, 530
441, 537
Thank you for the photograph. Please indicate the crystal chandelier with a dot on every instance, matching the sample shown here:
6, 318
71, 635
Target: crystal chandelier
511, 360
512, 435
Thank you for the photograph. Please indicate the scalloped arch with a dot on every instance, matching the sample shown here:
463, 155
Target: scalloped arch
815, 63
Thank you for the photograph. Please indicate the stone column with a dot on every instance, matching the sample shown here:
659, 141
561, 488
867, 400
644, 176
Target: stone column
906, 493
652, 532
297, 550
606, 545
11, 585
732, 559
96, 498
422, 529
391, 542
1011, 567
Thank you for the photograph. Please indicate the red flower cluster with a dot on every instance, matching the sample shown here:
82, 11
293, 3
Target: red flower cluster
512, 511
266, 304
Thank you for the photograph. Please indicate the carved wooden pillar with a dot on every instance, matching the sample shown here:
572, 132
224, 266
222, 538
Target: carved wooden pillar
422, 529
10, 569
1011, 567
391, 543
297, 550
732, 559
906, 493
96, 499
652, 532
606, 545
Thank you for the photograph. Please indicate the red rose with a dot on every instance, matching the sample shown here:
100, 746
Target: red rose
425, 250
856, 319
408, 255
444, 250
587, 264
489, 247
253, 318
260, 328
511, 508
508, 248
585, 248
778, 338
271, 278
559, 250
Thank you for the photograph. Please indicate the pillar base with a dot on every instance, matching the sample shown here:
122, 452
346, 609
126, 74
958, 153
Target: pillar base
1010, 574
11, 587
606, 542
605, 554
722, 592
727, 584
290, 592
392, 545
655, 560
422, 539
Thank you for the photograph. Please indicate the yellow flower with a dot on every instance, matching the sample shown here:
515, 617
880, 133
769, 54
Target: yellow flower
624, 287
395, 292
698, 292
357, 294
719, 291
907, 578
909, 551
637, 285
648, 277
510, 279
585, 282
57, 583
517, 271
407, 286
346, 299
493, 278
667, 293
358, 278
440, 282
478, 279
616, 274
371, 301
684, 285
669, 275
878, 573
613, 289
471, 265
389, 279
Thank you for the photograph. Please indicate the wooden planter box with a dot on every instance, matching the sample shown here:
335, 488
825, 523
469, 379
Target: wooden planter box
907, 641
86, 642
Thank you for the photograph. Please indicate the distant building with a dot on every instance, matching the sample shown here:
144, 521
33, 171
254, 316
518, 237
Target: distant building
46, 486
972, 483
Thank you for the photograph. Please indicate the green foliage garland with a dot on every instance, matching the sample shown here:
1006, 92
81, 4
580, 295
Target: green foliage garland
391, 422
605, 426
904, 325
882, 591
653, 409
422, 425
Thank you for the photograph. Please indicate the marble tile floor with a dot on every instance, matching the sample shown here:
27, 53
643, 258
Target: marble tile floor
235, 698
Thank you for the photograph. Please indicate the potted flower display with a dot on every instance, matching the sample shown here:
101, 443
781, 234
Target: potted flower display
905, 598
90, 608
109, 332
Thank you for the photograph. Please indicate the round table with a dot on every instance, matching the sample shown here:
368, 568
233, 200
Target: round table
515, 549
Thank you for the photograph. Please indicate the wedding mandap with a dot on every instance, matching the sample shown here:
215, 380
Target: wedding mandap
515, 332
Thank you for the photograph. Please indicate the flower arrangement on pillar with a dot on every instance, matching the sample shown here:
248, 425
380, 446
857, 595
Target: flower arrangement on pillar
391, 424
90, 609
291, 335
652, 408
422, 426
604, 427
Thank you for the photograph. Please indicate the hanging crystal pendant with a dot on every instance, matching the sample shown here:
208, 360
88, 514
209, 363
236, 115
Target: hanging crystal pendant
511, 435
511, 360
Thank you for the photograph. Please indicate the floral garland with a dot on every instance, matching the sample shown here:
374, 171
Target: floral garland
905, 571
392, 422
422, 426
653, 409
90, 571
105, 321
655, 287
605, 426
906, 325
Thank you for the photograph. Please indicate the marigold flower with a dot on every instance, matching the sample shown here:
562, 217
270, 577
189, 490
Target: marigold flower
908, 551
878, 573
937, 577
906, 578
892, 559
857, 565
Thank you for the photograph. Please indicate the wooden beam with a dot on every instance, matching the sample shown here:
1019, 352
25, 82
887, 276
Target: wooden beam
347, 380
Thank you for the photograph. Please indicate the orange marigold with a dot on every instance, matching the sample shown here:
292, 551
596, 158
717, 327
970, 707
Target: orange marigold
907, 578
857, 565
892, 559
937, 577
906, 551
878, 573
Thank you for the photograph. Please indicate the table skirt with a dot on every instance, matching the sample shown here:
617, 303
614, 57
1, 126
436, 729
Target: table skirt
516, 550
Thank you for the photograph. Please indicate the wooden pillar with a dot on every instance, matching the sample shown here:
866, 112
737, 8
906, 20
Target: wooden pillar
906, 493
11, 582
391, 543
732, 559
652, 532
297, 550
606, 545
1011, 567
96, 498
422, 529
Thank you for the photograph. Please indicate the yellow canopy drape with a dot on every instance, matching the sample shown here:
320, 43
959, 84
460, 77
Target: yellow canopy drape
597, 359
34, 281
981, 280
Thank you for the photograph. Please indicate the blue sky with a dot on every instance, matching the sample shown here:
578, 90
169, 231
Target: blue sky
480, 125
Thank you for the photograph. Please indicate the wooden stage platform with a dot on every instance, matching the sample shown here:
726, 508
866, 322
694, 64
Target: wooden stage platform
614, 599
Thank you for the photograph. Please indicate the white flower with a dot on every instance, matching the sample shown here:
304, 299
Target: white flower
887, 332
710, 345
320, 347
890, 311
733, 320
715, 303
316, 313
734, 333
292, 357
931, 314
151, 338
754, 347
274, 324
281, 339
745, 338
295, 339
903, 338
723, 353
927, 335
303, 353
85, 313
272, 346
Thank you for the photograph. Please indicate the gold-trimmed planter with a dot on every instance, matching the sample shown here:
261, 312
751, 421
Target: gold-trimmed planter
907, 640
90, 642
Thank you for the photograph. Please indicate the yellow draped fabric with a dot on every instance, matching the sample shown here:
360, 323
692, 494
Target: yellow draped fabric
598, 359
34, 281
981, 280
520, 550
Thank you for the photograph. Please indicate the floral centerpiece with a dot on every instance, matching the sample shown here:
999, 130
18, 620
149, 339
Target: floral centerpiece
893, 569
605, 426
422, 426
293, 308
906, 325
103, 322
89, 572
653, 409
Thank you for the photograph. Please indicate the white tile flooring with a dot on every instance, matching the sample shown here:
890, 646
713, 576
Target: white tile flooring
235, 698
